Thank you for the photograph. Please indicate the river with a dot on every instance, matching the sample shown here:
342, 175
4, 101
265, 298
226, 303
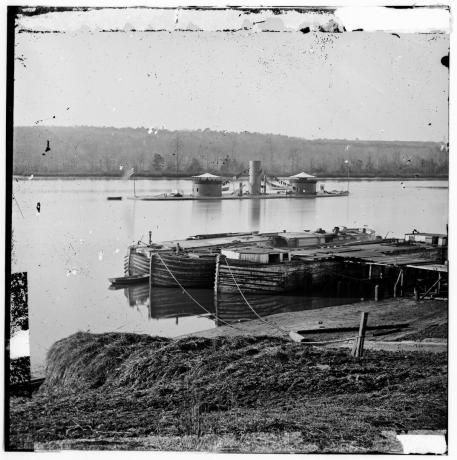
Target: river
77, 240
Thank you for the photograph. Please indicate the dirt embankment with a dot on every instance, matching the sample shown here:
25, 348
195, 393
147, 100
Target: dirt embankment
247, 394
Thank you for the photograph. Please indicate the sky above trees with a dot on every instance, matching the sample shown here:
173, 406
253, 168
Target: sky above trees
353, 85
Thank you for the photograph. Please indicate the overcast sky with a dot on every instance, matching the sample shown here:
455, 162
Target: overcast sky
366, 85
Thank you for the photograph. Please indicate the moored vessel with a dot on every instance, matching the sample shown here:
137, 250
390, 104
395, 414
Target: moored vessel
258, 270
186, 269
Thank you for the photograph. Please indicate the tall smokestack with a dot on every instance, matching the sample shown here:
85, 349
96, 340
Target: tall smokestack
255, 177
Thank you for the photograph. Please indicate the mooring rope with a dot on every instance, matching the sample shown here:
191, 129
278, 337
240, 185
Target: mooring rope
273, 325
325, 342
192, 298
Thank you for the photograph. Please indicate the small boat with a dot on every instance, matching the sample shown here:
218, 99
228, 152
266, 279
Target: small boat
111, 198
129, 279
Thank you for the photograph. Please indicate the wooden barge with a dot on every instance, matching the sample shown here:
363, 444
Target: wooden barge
192, 262
197, 270
136, 262
249, 276
344, 262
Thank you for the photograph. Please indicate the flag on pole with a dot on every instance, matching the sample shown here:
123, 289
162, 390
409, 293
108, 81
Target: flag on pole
129, 173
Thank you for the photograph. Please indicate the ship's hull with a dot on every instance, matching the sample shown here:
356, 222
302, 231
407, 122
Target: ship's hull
136, 263
167, 269
258, 278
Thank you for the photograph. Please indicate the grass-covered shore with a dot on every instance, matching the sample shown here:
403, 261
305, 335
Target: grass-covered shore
246, 394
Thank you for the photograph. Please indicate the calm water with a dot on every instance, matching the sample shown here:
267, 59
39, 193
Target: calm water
78, 240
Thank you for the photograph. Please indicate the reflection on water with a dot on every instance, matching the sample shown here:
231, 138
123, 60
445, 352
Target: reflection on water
205, 213
254, 214
233, 308
229, 308
166, 304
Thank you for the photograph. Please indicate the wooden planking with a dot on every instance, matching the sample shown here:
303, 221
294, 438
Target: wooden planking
324, 330
138, 264
189, 271
431, 347
251, 289
260, 278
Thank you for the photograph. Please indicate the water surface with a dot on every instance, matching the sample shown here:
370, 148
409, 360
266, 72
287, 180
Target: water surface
78, 240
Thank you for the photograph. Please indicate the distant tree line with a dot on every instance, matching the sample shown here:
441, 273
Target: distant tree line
95, 151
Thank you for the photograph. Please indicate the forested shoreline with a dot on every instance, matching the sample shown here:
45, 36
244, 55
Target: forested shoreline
110, 152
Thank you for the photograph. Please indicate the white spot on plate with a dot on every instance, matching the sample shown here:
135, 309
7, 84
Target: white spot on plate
423, 443
100, 255
19, 345
72, 271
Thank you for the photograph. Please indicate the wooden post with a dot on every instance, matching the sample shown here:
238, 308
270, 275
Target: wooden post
396, 283
376, 292
152, 260
357, 351
370, 271
216, 280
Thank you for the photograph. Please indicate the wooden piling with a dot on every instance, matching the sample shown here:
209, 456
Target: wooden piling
357, 350
376, 292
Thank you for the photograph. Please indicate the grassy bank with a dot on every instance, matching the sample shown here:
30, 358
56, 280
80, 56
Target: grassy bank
247, 394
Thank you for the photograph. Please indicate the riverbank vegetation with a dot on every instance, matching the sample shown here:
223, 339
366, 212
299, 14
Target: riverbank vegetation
98, 151
238, 394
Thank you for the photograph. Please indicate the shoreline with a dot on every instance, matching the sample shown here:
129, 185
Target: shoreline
420, 315
187, 177
247, 392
